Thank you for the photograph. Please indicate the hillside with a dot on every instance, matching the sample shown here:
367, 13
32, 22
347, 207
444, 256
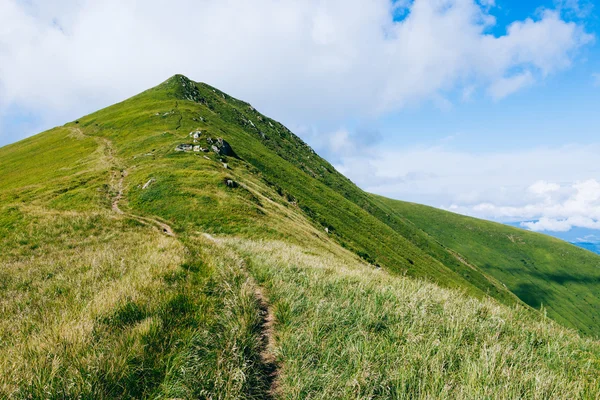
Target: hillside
593, 247
137, 265
539, 269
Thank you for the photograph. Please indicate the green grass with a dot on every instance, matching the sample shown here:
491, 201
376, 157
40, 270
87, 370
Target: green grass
97, 307
541, 270
394, 300
346, 330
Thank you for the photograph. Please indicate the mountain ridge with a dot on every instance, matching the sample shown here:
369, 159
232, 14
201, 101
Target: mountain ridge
201, 232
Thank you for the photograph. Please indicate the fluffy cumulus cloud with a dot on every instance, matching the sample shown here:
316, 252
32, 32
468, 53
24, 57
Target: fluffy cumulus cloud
317, 65
545, 186
301, 61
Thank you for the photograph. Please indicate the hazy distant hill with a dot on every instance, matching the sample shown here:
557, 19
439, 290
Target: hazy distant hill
586, 238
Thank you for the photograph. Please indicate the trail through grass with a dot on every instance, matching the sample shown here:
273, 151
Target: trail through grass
345, 330
129, 270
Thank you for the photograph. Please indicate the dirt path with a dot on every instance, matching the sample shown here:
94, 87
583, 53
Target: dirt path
119, 195
270, 368
118, 175
267, 342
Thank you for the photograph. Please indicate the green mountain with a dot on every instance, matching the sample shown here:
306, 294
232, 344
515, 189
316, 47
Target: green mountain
182, 245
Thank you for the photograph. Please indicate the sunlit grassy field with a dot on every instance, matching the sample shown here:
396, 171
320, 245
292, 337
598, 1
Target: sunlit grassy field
347, 330
94, 306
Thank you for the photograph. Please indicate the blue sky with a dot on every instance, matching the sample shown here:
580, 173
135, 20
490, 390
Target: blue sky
488, 108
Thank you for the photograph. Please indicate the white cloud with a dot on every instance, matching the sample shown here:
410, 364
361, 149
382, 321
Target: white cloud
328, 60
340, 142
507, 86
543, 188
560, 184
318, 64
577, 8
561, 225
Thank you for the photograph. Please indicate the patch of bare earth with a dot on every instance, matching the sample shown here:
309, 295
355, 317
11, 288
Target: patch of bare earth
267, 342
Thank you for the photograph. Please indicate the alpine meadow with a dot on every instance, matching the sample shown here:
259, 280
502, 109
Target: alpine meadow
182, 245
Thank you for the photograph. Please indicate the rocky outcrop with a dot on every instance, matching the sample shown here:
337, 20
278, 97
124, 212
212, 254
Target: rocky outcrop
225, 148
189, 91
184, 147
195, 134
221, 147
231, 183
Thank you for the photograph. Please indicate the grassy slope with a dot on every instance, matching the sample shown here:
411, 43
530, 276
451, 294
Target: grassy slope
540, 269
354, 219
348, 331
99, 304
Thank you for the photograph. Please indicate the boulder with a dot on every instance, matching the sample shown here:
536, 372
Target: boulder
224, 147
184, 147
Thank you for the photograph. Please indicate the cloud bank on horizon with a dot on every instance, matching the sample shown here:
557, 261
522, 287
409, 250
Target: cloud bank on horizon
314, 64
538, 186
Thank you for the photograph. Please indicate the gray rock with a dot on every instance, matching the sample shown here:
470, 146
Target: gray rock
224, 147
147, 184
196, 148
184, 147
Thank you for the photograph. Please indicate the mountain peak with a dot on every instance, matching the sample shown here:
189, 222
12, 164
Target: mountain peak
160, 244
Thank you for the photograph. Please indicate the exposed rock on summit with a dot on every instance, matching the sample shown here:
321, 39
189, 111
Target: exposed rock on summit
184, 147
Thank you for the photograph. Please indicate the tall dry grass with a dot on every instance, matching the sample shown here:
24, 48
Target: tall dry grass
346, 330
